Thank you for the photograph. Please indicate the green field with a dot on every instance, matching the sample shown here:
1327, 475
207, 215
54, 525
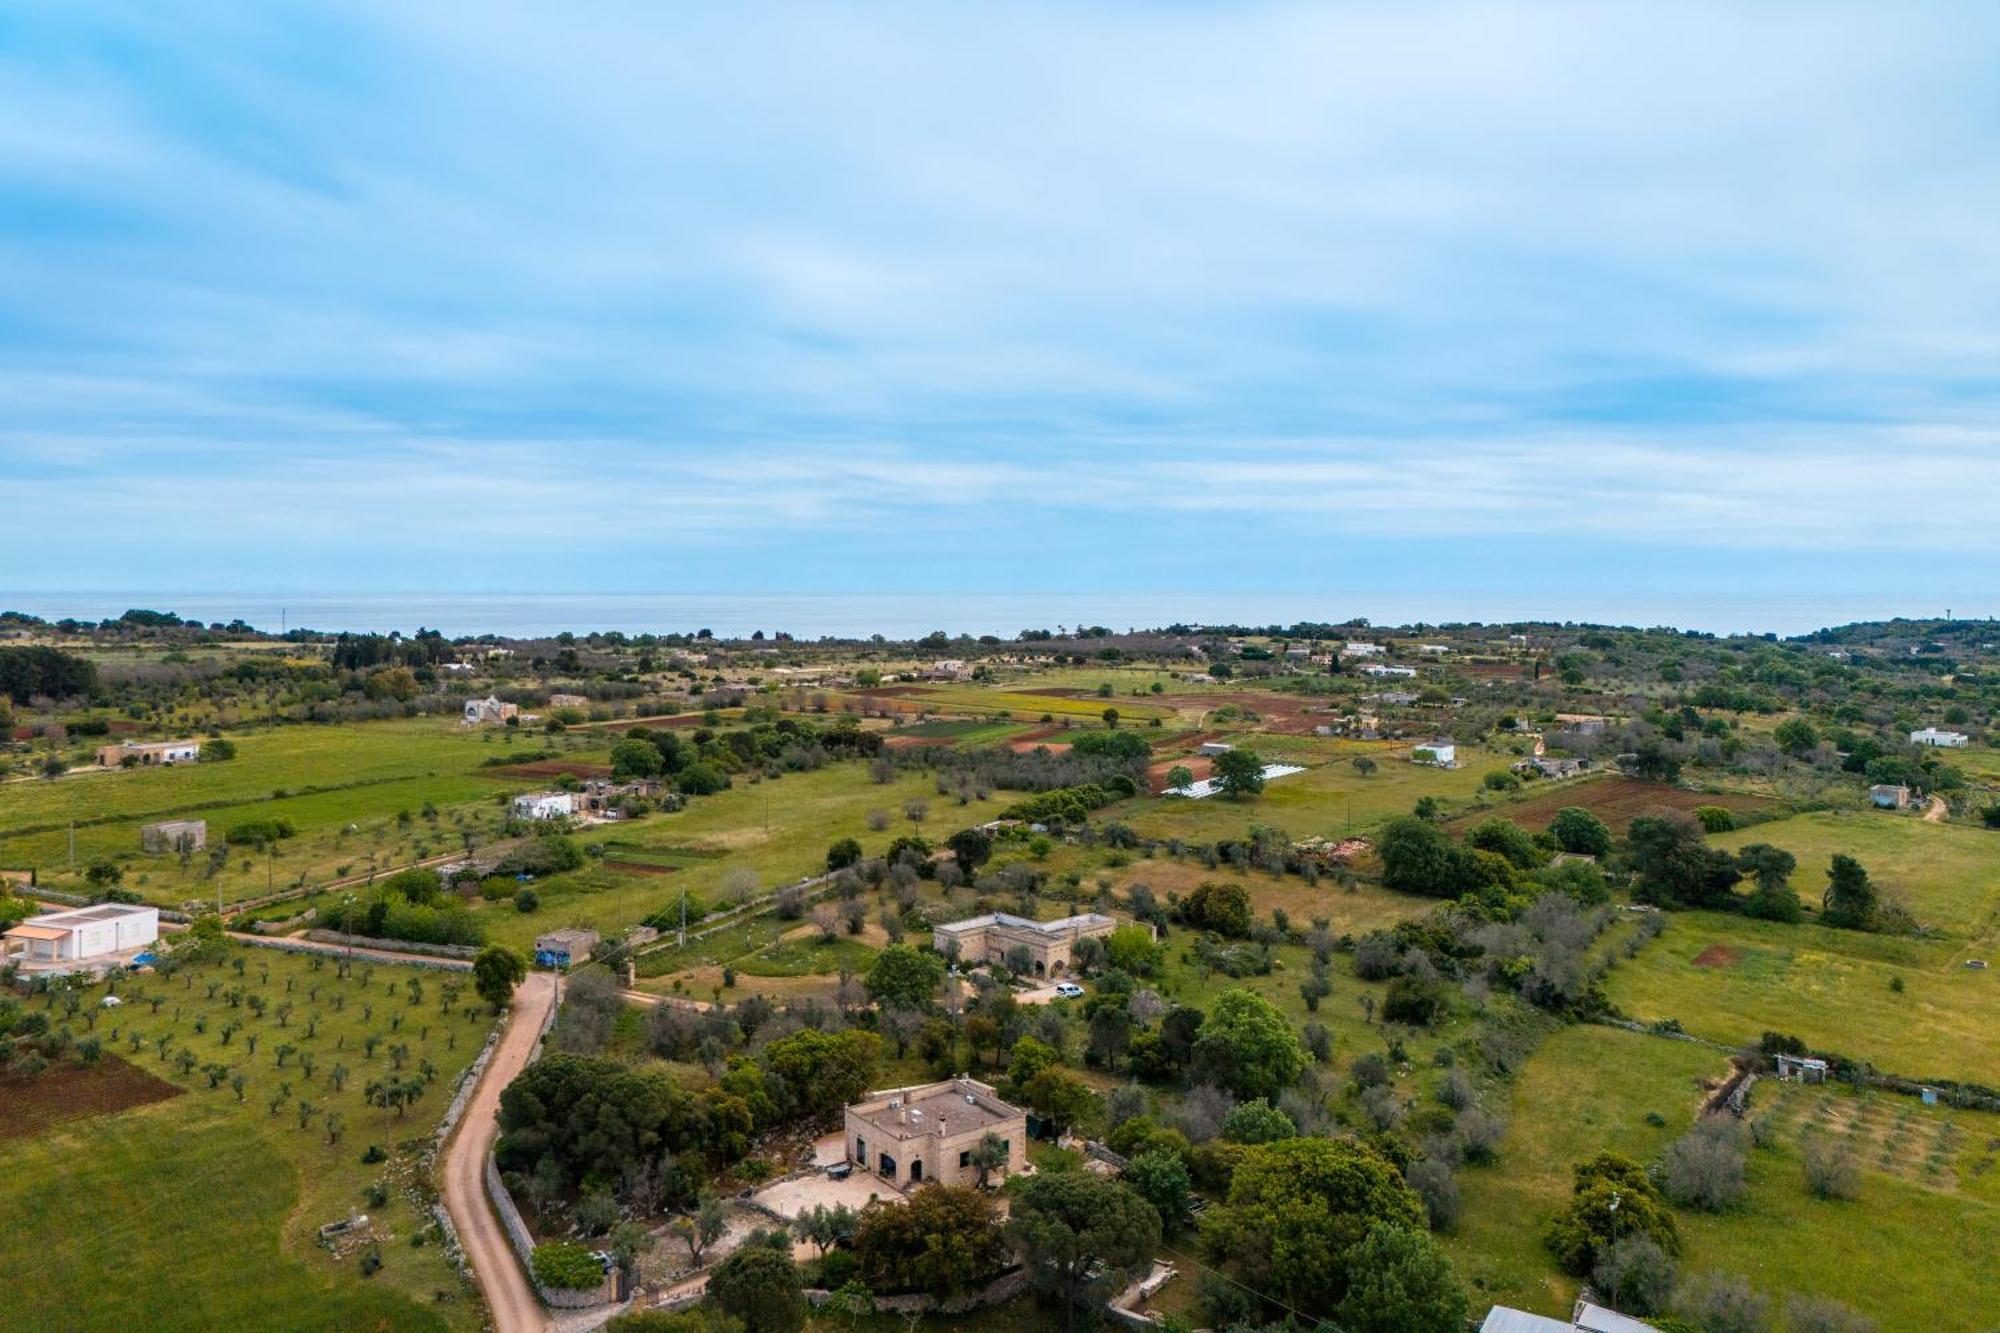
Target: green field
1024, 707
200, 1212
1947, 875
1329, 800
1731, 979
360, 774
1591, 1088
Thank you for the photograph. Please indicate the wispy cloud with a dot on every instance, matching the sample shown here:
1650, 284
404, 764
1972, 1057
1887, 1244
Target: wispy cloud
743, 283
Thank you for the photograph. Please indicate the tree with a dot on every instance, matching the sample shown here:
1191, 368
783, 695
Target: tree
632, 759
1364, 765
988, 1155
821, 1072
905, 976
1160, 1177
1611, 1197
1771, 868
1795, 736
944, 1239
1180, 775
1850, 898
1723, 1304
1635, 1275
842, 854
103, 874
703, 1227
1257, 1121
1703, 1168
1268, 1058
1506, 838
1062, 1098
1675, 864
971, 847
1420, 857
1239, 773
1221, 907
760, 1286
1402, 1283
495, 973
1132, 948
1081, 1236
1577, 830
1297, 1212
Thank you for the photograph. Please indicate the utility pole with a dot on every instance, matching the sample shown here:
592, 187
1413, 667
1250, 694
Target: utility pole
684, 916
72, 844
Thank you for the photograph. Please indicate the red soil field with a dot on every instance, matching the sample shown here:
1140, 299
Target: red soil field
1615, 800
1718, 955
72, 1093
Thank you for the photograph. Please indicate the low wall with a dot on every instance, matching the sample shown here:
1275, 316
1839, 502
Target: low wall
1003, 1288
465, 951
404, 960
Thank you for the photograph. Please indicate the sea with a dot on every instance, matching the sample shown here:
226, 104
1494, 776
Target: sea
908, 616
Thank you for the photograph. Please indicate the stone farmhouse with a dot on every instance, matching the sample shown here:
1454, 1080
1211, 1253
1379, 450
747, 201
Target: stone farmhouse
913, 1136
173, 835
479, 712
1050, 945
145, 754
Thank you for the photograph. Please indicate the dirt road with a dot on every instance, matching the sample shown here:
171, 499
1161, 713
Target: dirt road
1936, 811
508, 1295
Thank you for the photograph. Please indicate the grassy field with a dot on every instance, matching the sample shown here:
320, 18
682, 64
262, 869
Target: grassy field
1331, 799
1591, 1088
322, 779
200, 1212
1730, 979
1022, 706
1947, 875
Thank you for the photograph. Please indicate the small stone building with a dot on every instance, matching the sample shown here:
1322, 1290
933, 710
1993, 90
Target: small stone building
145, 754
562, 948
174, 835
1889, 796
913, 1136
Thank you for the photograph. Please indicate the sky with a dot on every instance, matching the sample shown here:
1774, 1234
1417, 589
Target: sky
1551, 303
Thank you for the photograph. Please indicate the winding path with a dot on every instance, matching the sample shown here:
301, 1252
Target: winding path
508, 1295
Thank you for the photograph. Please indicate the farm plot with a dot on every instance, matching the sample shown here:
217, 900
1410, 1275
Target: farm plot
977, 702
1946, 875
1333, 798
57, 1095
1731, 979
1589, 1089
1616, 800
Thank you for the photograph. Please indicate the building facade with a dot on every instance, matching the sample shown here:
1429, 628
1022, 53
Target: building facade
909, 1137
1947, 740
82, 939
489, 709
173, 835
1050, 945
146, 754
544, 805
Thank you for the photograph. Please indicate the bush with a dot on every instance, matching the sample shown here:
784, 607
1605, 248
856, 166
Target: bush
257, 832
1417, 1002
566, 1266
1714, 819
527, 900
1829, 1168
1704, 1167
1635, 1275
1720, 1304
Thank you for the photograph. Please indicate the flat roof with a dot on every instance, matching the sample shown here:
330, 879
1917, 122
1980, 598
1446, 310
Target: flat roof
83, 915
1080, 921
947, 1104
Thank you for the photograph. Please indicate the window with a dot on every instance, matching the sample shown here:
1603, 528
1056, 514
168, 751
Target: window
965, 1159
861, 1151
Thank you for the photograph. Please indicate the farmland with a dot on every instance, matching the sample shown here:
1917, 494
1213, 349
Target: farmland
1619, 800
204, 1242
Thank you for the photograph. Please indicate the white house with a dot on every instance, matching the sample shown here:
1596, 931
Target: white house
1433, 649
1377, 670
1587, 1318
544, 805
1213, 748
1440, 754
82, 939
950, 669
1362, 650
1948, 740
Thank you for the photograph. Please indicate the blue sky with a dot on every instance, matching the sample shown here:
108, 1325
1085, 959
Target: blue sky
1539, 300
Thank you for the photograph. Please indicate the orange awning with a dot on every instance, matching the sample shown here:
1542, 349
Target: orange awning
38, 933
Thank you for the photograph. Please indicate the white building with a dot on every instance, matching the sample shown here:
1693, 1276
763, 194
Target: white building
1439, 754
1433, 649
1362, 650
143, 754
1377, 670
1587, 1318
544, 805
950, 669
82, 939
1948, 740
1213, 748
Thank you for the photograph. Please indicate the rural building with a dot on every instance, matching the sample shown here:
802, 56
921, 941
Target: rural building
1587, 1318
600, 797
569, 701
173, 835
1391, 698
1433, 649
1588, 724
544, 805
1801, 1069
1438, 754
1213, 748
913, 1136
1544, 767
1377, 670
144, 754
1050, 944
1947, 740
1298, 652
1889, 796
951, 669
560, 948
82, 939
1362, 650
490, 709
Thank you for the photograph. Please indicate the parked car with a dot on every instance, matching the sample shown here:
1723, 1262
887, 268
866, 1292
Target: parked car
1069, 990
840, 1170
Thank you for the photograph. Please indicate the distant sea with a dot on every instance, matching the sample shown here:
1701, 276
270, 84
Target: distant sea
906, 616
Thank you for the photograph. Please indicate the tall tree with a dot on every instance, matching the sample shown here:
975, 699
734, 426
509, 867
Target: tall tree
1850, 898
1081, 1236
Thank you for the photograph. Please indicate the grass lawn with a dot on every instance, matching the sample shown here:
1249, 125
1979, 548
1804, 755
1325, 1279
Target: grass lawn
1947, 875
809, 956
201, 1212
1592, 1088
1731, 979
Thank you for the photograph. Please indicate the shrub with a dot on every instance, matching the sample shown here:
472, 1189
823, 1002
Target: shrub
1635, 1275
257, 832
1829, 1168
1704, 1167
566, 1266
